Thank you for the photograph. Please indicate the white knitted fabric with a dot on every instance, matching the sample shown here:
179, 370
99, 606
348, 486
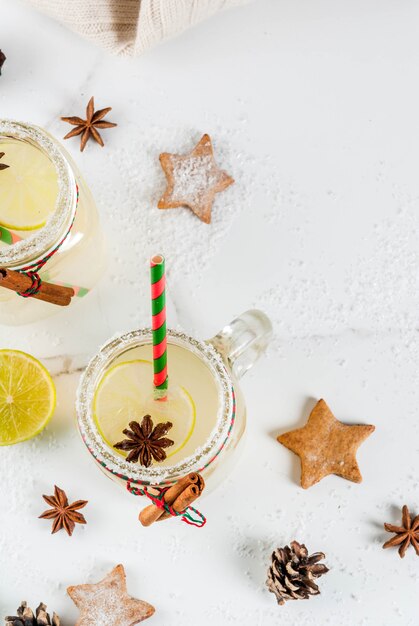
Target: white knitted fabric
128, 27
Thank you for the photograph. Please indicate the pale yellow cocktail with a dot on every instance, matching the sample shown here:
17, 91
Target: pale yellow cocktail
46, 213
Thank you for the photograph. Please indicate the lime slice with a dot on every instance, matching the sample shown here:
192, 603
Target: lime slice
28, 187
125, 394
27, 397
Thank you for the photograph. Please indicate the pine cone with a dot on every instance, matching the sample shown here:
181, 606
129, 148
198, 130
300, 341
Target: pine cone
292, 573
25, 617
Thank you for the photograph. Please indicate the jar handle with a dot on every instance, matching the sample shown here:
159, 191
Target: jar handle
244, 340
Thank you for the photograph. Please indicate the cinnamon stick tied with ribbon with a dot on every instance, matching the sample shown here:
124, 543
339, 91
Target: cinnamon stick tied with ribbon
47, 292
189, 495
178, 497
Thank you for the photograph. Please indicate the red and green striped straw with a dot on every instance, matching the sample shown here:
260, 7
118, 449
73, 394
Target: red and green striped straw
158, 325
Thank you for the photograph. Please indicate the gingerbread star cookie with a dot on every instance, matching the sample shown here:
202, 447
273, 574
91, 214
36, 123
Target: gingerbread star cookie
193, 180
326, 446
107, 603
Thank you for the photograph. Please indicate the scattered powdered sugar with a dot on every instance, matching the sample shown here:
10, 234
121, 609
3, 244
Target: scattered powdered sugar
133, 222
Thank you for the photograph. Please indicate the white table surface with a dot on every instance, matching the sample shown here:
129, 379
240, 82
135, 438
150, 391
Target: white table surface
313, 107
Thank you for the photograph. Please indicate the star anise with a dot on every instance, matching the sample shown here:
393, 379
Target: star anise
2, 60
405, 535
3, 166
64, 515
144, 442
89, 127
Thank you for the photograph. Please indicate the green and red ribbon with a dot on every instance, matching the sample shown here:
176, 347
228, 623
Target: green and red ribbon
186, 516
158, 325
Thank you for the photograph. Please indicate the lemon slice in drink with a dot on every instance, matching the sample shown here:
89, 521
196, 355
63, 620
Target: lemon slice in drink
125, 394
28, 187
27, 397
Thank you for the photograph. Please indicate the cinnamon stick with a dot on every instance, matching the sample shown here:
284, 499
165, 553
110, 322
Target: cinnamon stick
189, 495
152, 513
48, 292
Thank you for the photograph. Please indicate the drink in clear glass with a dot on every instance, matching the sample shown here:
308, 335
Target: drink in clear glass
44, 202
204, 404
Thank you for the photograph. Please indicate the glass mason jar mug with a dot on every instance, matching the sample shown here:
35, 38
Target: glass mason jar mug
49, 226
205, 404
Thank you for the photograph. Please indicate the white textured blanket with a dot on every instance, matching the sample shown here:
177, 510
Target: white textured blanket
128, 27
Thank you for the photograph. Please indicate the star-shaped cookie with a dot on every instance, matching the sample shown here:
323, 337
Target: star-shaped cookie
107, 603
326, 446
193, 180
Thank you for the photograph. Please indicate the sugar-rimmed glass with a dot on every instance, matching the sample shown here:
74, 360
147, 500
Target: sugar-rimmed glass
243, 341
80, 259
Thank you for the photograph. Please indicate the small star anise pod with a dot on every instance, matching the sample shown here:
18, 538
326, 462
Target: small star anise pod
144, 442
405, 535
3, 166
89, 127
64, 515
2, 60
